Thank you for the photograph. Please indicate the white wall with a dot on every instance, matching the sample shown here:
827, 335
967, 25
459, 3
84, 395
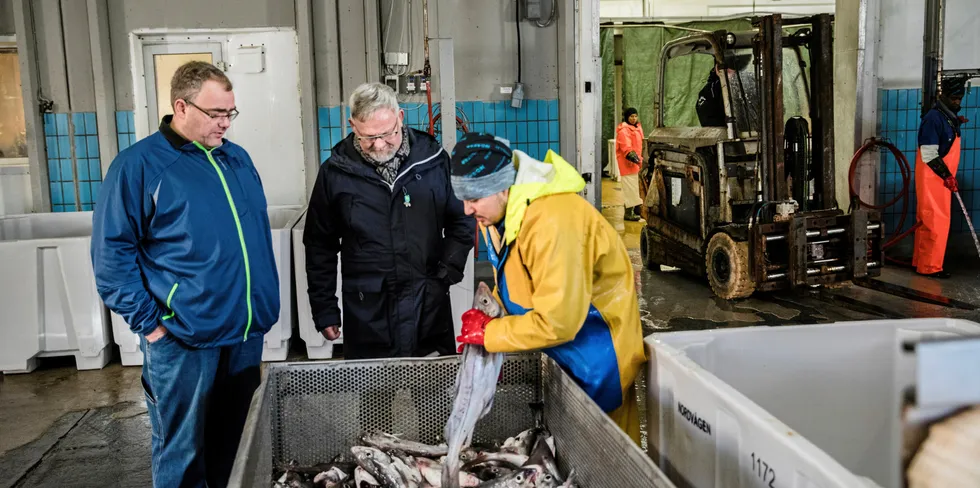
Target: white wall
695, 9
900, 46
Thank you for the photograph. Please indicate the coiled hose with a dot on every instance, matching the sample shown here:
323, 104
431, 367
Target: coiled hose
906, 170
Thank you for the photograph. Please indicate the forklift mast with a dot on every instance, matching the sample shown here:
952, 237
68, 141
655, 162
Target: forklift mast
769, 53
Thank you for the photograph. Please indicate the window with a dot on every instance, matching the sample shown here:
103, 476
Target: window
164, 67
684, 78
13, 132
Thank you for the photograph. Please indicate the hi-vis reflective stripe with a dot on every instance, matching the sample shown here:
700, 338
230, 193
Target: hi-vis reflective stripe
241, 235
169, 298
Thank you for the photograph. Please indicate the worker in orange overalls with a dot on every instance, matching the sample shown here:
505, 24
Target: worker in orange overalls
936, 162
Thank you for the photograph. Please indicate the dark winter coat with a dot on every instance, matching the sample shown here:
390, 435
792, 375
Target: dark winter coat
401, 247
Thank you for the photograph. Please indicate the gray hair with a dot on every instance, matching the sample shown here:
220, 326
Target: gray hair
371, 97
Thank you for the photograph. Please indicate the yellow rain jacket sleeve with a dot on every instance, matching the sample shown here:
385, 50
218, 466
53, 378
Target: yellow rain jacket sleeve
558, 253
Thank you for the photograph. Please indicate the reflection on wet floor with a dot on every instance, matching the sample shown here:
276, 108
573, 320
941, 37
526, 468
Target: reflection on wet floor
674, 300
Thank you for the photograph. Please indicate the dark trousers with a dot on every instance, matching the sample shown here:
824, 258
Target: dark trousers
197, 400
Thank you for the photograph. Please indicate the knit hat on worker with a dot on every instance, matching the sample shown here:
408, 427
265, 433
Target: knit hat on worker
954, 87
481, 165
627, 113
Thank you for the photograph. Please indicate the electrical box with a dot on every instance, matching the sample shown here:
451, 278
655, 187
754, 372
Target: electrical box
409, 84
532, 9
392, 81
396, 59
248, 59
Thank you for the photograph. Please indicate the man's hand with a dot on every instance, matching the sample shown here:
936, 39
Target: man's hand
474, 326
331, 333
632, 157
963, 119
156, 335
950, 182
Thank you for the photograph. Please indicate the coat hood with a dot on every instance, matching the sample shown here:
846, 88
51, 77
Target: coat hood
536, 179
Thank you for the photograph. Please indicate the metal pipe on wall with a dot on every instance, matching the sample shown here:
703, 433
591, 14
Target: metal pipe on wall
618, 62
932, 51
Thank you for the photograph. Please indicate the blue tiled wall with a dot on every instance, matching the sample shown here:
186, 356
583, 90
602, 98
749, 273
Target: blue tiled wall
125, 129
87, 158
899, 117
74, 168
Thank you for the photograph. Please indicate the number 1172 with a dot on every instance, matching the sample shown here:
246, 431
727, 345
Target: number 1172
763, 471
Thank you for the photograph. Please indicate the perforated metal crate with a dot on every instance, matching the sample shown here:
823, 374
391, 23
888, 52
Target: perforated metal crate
310, 412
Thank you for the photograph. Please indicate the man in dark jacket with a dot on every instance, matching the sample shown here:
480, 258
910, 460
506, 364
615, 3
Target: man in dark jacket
182, 250
384, 202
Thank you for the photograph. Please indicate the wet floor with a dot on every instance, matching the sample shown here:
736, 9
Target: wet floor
56, 419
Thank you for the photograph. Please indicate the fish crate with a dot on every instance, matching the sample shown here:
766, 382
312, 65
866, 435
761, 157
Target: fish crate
310, 412
317, 346
816, 406
48, 297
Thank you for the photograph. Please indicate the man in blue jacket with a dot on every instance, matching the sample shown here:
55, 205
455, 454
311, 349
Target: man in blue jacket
182, 250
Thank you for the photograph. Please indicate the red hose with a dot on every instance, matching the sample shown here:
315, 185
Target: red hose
903, 166
428, 96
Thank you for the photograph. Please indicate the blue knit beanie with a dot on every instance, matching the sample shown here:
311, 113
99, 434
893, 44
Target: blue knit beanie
481, 165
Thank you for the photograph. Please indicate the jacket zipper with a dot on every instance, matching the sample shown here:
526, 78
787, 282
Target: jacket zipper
169, 298
241, 235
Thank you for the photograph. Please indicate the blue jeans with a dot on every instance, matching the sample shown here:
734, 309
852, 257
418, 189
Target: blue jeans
197, 400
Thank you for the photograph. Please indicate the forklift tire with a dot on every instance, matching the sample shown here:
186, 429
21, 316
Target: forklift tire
645, 257
727, 264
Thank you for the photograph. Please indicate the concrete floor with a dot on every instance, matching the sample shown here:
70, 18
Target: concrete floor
56, 418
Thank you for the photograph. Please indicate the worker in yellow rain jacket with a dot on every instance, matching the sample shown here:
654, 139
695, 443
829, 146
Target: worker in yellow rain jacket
562, 272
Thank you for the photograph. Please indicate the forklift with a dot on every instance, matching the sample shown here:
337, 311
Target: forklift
749, 200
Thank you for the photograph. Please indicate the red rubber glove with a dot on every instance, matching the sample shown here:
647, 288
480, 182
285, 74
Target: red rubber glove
951, 184
963, 119
474, 325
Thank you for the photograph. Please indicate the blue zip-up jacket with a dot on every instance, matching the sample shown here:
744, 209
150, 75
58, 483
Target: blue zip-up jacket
183, 240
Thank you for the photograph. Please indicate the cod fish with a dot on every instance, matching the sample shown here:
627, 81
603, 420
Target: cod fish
476, 384
388, 442
330, 479
523, 478
543, 454
380, 466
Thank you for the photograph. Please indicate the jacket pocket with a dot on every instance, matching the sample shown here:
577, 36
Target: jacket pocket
170, 297
437, 318
365, 311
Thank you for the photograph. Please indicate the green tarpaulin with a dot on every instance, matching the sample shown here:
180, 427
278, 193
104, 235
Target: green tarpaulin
686, 76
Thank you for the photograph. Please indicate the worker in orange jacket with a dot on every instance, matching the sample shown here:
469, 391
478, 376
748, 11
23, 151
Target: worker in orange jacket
936, 162
629, 150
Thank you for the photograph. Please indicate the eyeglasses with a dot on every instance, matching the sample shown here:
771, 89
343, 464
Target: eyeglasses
224, 115
386, 136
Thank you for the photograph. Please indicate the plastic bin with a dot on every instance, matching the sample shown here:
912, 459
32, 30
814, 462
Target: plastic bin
804, 406
49, 300
310, 412
317, 346
276, 341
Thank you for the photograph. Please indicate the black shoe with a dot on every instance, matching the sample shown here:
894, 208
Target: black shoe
943, 275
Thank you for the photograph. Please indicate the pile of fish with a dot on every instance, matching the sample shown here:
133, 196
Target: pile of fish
524, 461
383, 460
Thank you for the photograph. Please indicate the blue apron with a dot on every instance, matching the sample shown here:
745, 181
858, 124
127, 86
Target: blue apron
590, 358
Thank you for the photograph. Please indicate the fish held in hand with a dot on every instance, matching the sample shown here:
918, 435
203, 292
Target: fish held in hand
476, 384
